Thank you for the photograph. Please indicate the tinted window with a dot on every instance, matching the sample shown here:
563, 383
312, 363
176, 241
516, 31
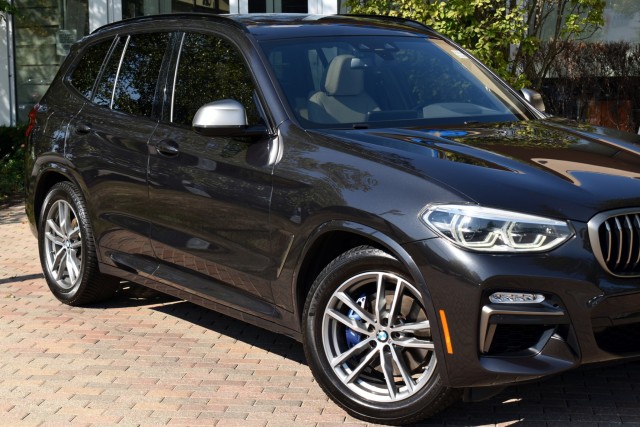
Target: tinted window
138, 76
387, 80
210, 69
104, 89
86, 72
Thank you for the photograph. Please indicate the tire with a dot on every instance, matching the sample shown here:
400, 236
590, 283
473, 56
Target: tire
384, 362
67, 249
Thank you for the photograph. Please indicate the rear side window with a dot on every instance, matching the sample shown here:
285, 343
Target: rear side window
129, 79
104, 89
86, 72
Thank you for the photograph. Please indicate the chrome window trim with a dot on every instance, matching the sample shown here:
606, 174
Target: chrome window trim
115, 83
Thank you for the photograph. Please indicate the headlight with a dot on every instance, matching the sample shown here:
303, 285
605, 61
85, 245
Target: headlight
494, 230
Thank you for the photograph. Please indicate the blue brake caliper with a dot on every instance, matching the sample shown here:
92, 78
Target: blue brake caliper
354, 338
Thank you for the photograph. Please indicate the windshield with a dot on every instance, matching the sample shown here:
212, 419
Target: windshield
375, 81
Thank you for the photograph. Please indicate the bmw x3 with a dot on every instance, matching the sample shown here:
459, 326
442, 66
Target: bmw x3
361, 184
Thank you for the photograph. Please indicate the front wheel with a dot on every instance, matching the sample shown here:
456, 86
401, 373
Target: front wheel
368, 340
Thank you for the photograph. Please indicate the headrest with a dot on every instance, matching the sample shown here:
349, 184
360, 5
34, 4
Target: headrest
342, 80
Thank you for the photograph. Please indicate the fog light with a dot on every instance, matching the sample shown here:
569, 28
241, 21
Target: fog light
515, 298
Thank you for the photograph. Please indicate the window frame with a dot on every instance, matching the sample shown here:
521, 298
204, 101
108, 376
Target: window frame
159, 95
156, 103
172, 76
80, 56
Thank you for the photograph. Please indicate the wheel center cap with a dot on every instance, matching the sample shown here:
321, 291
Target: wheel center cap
382, 336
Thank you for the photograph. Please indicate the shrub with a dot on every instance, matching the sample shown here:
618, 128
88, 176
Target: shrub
596, 82
12, 151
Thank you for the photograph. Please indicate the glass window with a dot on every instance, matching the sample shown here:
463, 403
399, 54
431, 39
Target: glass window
279, 6
257, 6
294, 6
377, 81
203, 6
133, 8
104, 89
210, 69
86, 72
138, 76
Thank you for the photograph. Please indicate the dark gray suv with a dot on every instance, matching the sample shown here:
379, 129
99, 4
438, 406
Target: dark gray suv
360, 184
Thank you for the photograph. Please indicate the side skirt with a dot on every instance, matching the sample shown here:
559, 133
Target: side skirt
184, 295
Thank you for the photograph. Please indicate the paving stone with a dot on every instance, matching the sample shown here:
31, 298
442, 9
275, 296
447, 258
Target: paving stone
148, 359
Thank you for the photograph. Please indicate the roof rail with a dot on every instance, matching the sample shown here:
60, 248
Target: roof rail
171, 16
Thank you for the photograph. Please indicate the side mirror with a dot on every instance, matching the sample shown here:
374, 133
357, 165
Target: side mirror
226, 117
534, 98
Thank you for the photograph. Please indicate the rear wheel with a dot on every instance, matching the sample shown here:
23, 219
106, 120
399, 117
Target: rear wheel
368, 340
67, 251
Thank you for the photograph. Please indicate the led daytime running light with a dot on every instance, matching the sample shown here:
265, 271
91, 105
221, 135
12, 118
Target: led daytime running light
493, 230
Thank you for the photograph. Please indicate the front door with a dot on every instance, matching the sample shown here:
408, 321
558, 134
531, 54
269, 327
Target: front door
210, 196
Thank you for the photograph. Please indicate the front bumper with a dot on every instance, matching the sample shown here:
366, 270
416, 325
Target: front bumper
587, 314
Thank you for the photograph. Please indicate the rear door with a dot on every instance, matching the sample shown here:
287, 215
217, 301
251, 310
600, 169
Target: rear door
108, 141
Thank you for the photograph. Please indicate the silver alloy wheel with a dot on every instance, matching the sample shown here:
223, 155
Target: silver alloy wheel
63, 245
377, 338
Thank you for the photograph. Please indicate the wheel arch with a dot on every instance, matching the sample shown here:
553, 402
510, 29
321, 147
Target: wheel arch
48, 177
336, 237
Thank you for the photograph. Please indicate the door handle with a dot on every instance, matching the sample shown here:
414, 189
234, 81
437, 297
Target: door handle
167, 148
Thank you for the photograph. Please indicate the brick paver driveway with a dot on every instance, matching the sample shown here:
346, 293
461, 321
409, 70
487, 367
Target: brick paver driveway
144, 358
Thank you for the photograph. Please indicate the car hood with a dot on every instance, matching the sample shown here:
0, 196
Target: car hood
545, 167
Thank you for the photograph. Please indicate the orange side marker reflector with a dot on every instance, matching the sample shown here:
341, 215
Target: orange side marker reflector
445, 328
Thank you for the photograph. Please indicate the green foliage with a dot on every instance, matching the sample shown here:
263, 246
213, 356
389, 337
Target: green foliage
504, 34
12, 151
554, 22
485, 27
6, 8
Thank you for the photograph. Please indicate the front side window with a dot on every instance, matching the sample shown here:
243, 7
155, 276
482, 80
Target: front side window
86, 72
210, 69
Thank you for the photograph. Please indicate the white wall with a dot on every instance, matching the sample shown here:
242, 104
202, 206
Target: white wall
323, 7
102, 12
7, 97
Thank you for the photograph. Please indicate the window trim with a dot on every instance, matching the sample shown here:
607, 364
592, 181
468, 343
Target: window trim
115, 82
173, 75
176, 65
80, 56
160, 85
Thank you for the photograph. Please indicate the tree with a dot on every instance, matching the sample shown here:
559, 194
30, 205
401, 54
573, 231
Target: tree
504, 34
553, 23
6, 8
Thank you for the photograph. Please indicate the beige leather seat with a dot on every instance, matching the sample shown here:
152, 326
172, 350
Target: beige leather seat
343, 99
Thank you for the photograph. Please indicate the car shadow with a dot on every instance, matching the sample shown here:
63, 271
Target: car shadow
134, 296
590, 395
597, 395
24, 278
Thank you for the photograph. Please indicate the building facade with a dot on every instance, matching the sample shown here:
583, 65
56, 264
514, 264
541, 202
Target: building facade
33, 45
